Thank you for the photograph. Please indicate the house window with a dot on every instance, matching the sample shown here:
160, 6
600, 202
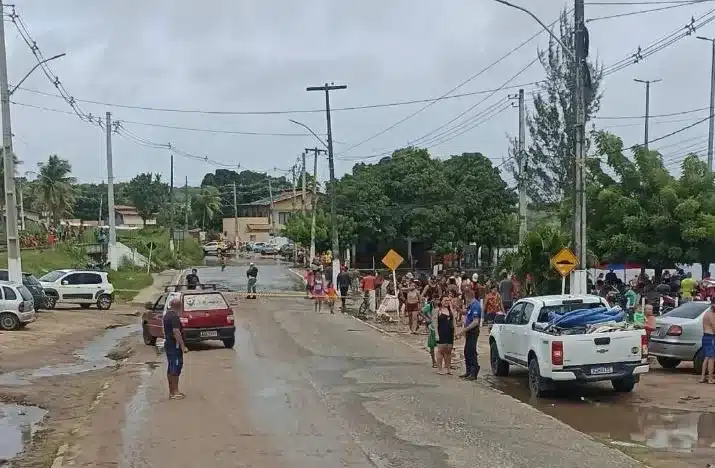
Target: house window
284, 216
252, 237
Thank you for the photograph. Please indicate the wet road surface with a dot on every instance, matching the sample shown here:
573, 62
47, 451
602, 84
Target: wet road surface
310, 391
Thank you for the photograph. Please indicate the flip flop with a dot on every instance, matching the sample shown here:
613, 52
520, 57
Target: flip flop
178, 396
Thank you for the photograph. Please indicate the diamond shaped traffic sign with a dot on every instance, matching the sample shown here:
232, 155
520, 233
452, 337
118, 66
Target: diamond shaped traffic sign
564, 262
392, 260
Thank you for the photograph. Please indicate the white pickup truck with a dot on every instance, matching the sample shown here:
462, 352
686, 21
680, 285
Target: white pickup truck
516, 340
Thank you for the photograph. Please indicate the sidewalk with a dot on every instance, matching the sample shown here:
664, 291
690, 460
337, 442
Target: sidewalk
161, 280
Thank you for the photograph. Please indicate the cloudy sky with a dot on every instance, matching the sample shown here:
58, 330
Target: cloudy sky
257, 56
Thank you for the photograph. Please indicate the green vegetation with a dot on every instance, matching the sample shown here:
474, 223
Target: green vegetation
162, 258
127, 281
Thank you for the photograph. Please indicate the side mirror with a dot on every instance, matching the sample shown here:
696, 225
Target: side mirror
500, 319
149, 305
65, 283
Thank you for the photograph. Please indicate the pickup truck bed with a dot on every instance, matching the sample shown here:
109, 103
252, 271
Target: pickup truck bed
616, 353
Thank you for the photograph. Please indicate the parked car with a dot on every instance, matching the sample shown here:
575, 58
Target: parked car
31, 283
205, 315
83, 287
618, 356
678, 336
258, 247
268, 250
17, 308
212, 248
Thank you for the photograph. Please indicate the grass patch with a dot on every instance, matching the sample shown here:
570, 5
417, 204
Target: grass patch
127, 281
185, 254
40, 261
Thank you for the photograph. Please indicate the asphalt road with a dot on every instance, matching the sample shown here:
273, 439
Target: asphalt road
307, 390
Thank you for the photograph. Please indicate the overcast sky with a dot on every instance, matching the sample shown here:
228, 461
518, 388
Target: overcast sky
251, 55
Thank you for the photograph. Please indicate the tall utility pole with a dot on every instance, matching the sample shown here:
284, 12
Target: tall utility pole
579, 277
314, 198
99, 216
171, 202
711, 133
235, 216
14, 263
272, 212
303, 176
22, 204
647, 106
522, 168
112, 248
333, 215
295, 196
186, 205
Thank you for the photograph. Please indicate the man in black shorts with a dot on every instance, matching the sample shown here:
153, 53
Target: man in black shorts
174, 347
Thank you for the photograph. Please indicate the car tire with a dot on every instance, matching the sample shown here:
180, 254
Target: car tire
51, 302
624, 385
104, 302
9, 321
537, 384
500, 367
229, 342
85, 306
149, 340
668, 363
698, 362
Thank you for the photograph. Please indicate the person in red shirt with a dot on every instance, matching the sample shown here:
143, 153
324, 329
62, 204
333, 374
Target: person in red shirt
309, 277
368, 285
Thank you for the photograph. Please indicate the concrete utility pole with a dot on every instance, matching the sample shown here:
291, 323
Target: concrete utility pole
711, 133
303, 176
22, 204
647, 106
579, 277
171, 202
112, 247
333, 215
314, 199
272, 212
522, 168
295, 196
99, 218
235, 215
14, 263
186, 205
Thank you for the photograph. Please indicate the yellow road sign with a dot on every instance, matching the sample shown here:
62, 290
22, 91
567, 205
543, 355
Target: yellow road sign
564, 262
392, 260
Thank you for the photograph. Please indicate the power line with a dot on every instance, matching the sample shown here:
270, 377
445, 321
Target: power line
471, 78
644, 11
643, 2
624, 117
279, 112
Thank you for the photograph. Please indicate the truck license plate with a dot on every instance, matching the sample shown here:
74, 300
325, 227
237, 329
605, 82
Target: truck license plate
601, 370
208, 334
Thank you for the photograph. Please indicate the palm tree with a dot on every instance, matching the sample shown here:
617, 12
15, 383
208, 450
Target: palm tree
207, 203
54, 189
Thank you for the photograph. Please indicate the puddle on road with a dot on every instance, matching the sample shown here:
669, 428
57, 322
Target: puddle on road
17, 425
93, 357
610, 416
135, 414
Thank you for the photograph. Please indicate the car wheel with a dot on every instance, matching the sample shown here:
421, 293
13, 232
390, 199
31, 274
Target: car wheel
84, 306
668, 363
625, 385
146, 335
104, 302
229, 342
537, 384
698, 362
9, 321
500, 367
51, 302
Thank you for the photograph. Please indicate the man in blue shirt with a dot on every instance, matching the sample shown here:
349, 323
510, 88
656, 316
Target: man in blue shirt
471, 335
174, 346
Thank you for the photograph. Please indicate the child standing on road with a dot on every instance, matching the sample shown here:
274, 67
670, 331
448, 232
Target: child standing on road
332, 296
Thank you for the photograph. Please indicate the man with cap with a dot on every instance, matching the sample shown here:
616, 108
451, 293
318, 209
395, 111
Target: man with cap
252, 275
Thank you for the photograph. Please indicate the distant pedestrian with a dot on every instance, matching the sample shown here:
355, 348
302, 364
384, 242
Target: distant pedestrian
331, 296
492, 305
426, 312
318, 291
252, 275
413, 303
368, 286
708, 345
343, 286
471, 335
192, 279
309, 277
174, 346
222, 260
444, 325
506, 288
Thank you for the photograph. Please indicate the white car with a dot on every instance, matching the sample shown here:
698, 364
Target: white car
517, 340
83, 287
17, 307
212, 248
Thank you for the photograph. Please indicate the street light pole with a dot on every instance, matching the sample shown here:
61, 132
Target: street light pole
711, 132
331, 164
647, 105
38, 64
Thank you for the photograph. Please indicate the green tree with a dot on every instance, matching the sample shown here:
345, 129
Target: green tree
206, 204
148, 194
298, 229
53, 192
549, 156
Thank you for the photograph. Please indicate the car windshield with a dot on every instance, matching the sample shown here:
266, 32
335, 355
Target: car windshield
25, 293
52, 276
689, 310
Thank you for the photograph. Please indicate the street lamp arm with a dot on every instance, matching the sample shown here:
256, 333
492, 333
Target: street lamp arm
546, 28
42, 62
311, 131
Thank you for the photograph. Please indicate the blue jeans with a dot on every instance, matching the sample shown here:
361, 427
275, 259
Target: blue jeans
252, 285
175, 361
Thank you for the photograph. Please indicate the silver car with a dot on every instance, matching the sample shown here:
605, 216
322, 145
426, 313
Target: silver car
17, 307
678, 336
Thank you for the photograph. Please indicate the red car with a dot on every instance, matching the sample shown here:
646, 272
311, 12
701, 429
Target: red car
204, 313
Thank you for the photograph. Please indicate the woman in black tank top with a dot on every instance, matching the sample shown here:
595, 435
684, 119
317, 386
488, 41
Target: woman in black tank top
444, 324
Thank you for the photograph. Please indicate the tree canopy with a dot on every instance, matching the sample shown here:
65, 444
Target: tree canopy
148, 194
